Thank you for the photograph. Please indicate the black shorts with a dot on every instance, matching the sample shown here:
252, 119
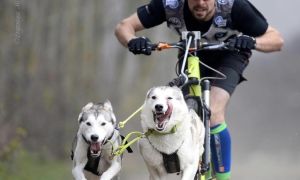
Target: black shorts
232, 64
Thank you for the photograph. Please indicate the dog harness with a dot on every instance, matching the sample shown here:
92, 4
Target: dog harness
220, 29
171, 161
92, 164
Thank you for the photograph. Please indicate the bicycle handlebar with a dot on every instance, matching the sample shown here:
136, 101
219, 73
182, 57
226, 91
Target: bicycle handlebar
185, 45
202, 46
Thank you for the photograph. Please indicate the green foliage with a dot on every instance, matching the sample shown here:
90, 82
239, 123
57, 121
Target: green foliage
13, 146
27, 166
16, 163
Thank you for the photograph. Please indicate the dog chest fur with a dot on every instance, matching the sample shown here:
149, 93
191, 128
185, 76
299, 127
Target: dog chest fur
169, 143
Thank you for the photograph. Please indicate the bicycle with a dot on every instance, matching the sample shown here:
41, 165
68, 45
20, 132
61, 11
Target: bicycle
198, 87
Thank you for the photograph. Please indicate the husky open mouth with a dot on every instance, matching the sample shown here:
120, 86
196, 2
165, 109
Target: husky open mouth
161, 118
95, 149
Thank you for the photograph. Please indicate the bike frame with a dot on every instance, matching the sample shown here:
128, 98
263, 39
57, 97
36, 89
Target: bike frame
201, 93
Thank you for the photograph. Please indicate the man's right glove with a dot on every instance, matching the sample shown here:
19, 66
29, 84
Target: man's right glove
140, 45
242, 42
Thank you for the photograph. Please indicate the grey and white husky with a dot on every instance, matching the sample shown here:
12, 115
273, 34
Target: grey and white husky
96, 138
174, 134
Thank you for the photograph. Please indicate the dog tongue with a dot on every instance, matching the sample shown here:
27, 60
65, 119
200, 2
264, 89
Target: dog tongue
162, 118
95, 147
167, 114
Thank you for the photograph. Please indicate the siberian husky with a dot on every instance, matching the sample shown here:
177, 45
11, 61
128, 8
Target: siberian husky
96, 137
174, 134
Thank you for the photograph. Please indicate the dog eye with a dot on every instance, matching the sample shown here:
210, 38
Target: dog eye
153, 97
170, 98
88, 123
103, 124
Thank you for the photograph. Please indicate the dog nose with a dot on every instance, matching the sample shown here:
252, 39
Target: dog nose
159, 107
94, 137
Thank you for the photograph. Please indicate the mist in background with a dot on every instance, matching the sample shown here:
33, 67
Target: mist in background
56, 56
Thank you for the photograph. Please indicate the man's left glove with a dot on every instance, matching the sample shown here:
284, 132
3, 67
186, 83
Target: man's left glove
242, 42
140, 45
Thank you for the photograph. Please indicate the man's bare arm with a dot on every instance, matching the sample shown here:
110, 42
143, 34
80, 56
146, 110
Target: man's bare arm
126, 29
270, 41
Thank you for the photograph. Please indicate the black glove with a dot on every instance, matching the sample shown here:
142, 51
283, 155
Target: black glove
140, 45
242, 42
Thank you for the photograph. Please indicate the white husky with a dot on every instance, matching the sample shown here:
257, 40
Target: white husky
95, 140
174, 134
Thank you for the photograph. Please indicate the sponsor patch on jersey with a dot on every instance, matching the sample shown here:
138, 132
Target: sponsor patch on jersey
172, 3
223, 2
175, 22
220, 22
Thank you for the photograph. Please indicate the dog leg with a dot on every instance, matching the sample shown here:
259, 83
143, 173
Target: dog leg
157, 174
77, 172
113, 170
154, 175
79, 162
189, 172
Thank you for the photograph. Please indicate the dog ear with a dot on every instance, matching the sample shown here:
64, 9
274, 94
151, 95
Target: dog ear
107, 105
178, 93
149, 92
80, 118
113, 118
87, 106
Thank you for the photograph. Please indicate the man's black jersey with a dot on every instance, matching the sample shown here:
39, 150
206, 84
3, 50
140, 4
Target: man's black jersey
245, 18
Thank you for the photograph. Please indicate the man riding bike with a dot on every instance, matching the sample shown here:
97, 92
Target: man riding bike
235, 21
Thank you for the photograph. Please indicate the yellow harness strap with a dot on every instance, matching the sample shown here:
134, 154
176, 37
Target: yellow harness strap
120, 150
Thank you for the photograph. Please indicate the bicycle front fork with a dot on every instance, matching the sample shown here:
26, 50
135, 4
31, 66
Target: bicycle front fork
206, 121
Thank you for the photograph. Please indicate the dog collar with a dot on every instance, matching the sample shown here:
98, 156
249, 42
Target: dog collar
85, 139
154, 132
110, 137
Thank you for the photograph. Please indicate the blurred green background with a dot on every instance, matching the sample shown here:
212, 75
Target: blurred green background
56, 56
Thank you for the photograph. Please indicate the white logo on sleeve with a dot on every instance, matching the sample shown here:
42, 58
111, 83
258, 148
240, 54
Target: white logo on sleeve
223, 2
172, 3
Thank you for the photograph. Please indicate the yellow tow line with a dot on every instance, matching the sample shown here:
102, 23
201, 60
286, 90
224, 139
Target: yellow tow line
125, 144
120, 150
122, 123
